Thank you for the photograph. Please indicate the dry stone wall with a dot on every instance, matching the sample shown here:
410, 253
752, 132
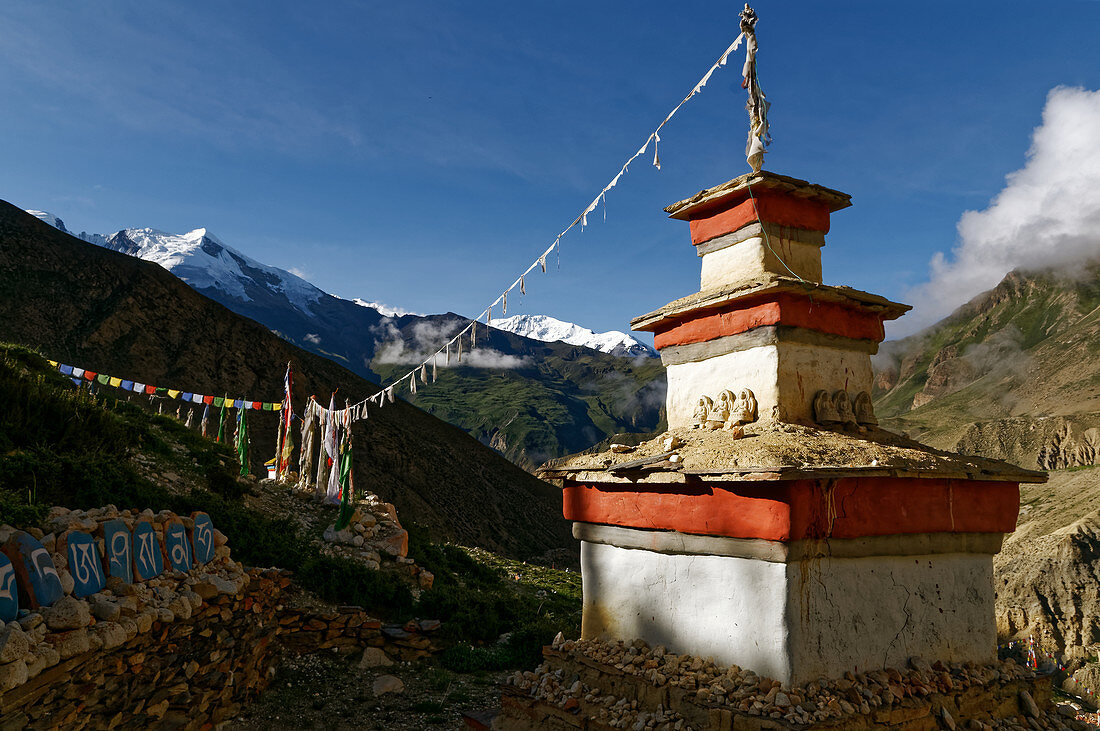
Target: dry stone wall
591, 684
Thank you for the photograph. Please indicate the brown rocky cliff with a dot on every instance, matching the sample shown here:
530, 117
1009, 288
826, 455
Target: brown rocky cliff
98, 309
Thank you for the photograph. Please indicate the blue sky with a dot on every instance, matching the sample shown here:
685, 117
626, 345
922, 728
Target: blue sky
423, 153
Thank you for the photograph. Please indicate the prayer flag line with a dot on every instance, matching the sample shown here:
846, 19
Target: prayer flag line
387, 393
80, 375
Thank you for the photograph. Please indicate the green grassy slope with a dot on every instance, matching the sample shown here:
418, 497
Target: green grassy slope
63, 446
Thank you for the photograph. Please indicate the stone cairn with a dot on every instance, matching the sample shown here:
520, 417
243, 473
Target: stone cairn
374, 535
600, 684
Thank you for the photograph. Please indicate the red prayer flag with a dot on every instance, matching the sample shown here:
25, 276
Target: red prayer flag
90, 375
257, 405
208, 399
150, 390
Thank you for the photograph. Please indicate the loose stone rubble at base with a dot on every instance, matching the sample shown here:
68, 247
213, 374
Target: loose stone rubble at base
596, 684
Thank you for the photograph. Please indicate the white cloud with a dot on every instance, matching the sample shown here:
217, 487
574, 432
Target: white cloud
1047, 216
299, 272
427, 337
384, 309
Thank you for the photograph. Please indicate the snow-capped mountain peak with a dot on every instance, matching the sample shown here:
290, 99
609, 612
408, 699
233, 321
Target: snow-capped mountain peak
50, 219
202, 260
549, 329
205, 262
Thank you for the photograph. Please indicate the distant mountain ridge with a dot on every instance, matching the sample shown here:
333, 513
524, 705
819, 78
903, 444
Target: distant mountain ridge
552, 330
570, 401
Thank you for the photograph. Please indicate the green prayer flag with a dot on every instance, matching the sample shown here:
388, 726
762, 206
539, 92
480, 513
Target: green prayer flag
221, 420
103, 378
219, 402
268, 406
242, 439
346, 509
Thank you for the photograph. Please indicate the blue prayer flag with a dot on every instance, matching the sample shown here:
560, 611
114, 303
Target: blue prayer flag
66, 370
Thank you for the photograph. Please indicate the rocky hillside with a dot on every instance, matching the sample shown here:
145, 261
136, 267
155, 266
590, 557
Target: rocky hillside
572, 397
1013, 374
99, 309
1047, 575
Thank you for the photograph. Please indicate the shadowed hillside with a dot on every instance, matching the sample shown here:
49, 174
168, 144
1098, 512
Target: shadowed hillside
99, 309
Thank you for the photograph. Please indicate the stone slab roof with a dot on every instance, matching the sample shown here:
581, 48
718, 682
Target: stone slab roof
717, 296
771, 450
712, 197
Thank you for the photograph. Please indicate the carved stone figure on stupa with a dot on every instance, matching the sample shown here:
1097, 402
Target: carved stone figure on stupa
702, 410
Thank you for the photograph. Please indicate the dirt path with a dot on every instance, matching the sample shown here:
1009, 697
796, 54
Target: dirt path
327, 691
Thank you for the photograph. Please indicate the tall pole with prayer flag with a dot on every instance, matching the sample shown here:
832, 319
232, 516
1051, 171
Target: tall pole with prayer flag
757, 104
242, 439
286, 442
346, 489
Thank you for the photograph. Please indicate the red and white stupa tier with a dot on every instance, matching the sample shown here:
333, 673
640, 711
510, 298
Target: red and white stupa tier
775, 526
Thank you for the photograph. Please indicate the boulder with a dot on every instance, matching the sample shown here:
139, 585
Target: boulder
71, 643
382, 684
12, 675
106, 610
68, 613
374, 657
14, 643
395, 544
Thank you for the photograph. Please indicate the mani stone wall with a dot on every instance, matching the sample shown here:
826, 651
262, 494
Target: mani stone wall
114, 618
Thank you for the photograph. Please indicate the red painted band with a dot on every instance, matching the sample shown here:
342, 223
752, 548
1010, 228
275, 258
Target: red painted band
798, 509
773, 208
785, 308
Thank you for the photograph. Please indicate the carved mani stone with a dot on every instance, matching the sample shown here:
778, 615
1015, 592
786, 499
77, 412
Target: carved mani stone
36, 576
9, 598
202, 538
148, 561
720, 412
844, 408
119, 548
865, 410
84, 564
825, 409
702, 409
177, 547
744, 409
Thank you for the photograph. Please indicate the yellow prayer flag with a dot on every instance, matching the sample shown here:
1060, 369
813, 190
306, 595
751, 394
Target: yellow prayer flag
116, 382
276, 407
52, 362
173, 394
